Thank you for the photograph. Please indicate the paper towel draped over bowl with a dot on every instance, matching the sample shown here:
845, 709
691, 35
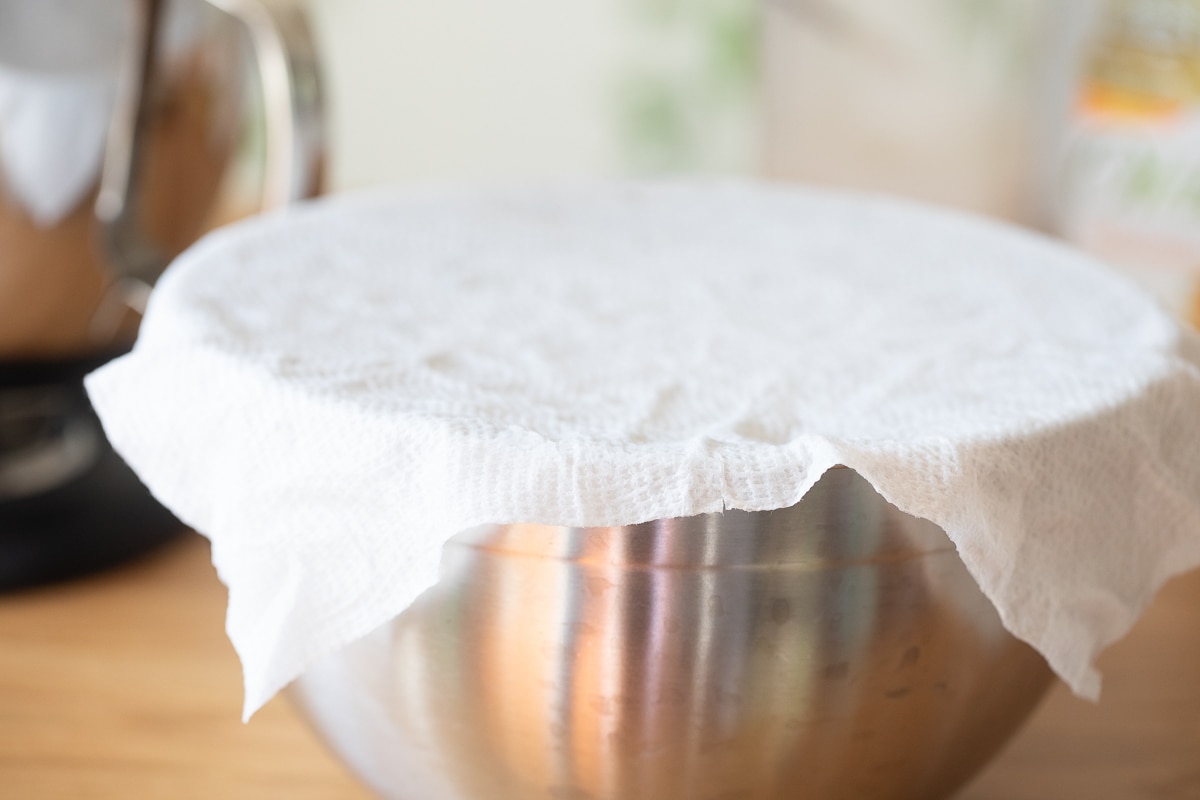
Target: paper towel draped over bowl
331, 393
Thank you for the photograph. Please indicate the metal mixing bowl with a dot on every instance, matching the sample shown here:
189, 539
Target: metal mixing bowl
834, 649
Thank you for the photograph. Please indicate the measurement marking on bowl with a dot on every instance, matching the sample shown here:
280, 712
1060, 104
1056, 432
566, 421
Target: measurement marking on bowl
836, 672
781, 610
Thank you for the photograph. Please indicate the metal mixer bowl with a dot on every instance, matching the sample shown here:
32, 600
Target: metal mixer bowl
834, 649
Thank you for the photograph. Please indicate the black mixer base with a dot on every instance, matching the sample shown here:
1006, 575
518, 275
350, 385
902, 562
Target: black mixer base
68, 504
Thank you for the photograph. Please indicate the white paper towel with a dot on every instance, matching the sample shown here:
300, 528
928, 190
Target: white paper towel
332, 393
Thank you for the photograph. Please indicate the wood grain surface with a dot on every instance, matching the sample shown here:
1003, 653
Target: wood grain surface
124, 686
1142, 740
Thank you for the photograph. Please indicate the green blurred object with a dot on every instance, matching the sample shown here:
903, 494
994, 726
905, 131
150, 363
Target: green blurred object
688, 99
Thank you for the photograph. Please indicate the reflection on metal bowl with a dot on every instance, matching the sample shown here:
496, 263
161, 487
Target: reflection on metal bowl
834, 649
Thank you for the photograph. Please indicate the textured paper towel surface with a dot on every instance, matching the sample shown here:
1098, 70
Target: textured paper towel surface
331, 393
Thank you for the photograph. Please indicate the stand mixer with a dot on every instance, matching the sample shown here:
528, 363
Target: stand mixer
119, 122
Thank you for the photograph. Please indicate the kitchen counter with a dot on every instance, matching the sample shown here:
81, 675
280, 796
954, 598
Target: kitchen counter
124, 686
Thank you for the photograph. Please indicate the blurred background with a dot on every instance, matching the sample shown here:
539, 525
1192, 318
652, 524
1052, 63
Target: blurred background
537, 89
1078, 117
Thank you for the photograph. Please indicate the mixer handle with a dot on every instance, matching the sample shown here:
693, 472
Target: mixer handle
285, 55
292, 97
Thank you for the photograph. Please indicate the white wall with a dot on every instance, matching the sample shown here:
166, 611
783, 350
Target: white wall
470, 89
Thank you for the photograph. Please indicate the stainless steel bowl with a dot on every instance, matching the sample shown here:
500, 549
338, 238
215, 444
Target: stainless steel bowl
834, 649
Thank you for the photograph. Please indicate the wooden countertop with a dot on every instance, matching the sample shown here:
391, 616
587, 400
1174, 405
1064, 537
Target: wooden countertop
124, 686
